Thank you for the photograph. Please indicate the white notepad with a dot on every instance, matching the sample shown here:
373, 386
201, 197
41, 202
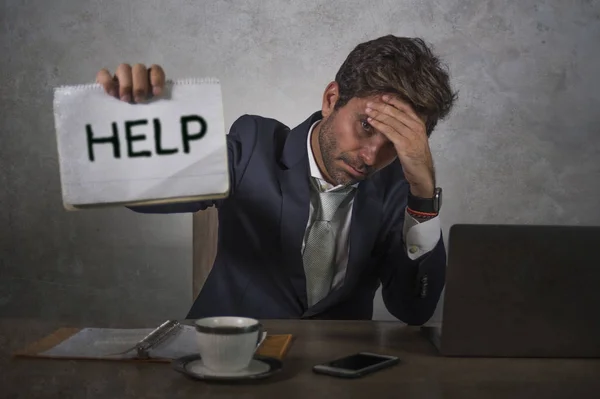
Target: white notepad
170, 149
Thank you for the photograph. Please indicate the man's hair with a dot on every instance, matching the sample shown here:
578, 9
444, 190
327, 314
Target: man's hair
400, 65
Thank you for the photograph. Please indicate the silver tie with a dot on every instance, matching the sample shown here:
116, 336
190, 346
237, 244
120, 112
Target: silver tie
319, 249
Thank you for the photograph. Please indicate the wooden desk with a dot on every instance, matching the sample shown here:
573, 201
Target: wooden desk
422, 374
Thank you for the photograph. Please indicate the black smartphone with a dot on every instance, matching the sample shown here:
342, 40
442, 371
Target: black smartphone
357, 365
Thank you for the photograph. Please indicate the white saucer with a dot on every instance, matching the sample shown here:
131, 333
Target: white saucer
259, 367
255, 367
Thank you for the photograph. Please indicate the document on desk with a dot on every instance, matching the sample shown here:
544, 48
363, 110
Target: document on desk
170, 340
113, 343
170, 149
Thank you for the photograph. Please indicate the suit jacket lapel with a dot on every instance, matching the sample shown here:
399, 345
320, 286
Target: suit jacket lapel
295, 194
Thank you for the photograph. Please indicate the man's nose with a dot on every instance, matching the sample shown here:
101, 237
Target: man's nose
371, 148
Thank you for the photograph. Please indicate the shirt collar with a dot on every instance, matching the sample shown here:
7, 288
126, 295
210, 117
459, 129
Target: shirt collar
314, 169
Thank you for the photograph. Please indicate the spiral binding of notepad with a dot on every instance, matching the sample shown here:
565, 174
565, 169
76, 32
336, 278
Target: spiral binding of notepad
158, 335
168, 82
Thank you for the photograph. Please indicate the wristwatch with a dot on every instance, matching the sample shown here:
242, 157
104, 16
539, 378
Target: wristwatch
428, 206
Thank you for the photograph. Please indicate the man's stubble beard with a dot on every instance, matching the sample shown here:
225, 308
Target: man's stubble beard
328, 147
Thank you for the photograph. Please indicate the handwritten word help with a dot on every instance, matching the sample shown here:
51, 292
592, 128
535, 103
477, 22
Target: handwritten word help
193, 128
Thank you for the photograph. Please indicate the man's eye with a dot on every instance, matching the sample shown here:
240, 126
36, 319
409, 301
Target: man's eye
366, 126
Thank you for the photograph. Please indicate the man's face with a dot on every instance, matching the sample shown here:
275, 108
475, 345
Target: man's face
351, 149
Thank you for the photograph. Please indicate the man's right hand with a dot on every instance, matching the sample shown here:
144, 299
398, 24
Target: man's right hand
133, 84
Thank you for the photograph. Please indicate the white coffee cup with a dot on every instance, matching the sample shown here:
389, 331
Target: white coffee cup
226, 343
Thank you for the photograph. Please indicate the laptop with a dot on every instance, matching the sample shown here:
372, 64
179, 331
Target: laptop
521, 291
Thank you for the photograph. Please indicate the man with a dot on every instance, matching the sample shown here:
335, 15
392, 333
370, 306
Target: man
317, 216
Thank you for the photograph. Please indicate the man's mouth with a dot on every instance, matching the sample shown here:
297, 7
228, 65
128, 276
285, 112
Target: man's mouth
354, 171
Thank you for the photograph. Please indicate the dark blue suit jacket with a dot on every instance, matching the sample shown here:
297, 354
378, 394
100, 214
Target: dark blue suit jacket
258, 270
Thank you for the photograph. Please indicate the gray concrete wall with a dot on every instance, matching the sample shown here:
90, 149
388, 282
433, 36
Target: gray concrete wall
522, 145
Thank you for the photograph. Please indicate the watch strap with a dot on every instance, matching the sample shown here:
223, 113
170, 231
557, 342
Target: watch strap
425, 206
421, 216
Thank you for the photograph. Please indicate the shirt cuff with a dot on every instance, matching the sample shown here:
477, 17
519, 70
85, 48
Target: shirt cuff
420, 237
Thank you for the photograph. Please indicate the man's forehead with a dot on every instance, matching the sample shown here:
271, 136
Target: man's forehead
361, 102
374, 97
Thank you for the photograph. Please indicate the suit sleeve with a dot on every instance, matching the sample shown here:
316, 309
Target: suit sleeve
411, 288
240, 143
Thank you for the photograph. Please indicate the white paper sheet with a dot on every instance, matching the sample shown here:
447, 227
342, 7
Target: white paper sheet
146, 160
110, 342
99, 343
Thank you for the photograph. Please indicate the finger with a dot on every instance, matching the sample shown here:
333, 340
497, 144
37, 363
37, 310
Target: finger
393, 121
157, 79
140, 83
405, 121
104, 78
125, 82
397, 139
401, 105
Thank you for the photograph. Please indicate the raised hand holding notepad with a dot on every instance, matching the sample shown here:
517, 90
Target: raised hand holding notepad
171, 149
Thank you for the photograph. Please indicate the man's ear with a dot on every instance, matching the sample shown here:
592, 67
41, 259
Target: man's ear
330, 98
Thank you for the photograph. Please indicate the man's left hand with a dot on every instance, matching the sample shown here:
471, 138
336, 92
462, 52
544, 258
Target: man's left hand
401, 125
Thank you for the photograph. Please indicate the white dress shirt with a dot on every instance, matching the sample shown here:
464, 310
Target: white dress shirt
420, 237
